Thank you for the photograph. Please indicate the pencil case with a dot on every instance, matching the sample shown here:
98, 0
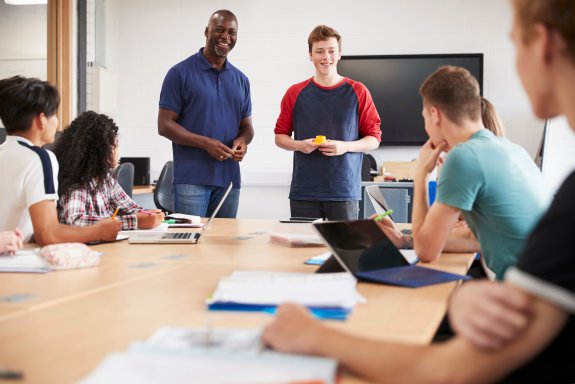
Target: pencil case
70, 255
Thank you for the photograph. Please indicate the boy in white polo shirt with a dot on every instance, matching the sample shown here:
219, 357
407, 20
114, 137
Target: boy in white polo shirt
29, 173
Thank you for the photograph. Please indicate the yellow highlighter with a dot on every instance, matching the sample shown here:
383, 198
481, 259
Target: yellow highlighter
382, 215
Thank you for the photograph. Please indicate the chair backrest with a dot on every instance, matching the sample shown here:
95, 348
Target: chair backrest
163, 196
377, 199
124, 173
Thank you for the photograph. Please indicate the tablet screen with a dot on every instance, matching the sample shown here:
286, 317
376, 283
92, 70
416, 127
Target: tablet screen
360, 245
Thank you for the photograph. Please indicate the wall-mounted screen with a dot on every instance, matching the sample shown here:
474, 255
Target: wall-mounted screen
394, 80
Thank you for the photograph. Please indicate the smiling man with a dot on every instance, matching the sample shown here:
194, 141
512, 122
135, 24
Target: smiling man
326, 180
205, 110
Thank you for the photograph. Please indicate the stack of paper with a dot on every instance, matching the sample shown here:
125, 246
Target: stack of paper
327, 295
296, 239
188, 355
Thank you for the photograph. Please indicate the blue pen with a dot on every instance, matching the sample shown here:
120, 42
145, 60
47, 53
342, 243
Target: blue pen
382, 215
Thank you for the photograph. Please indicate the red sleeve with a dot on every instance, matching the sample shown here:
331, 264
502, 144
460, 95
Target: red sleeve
369, 121
284, 124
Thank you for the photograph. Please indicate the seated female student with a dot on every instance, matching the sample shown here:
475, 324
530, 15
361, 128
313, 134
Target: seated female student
10, 241
87, 152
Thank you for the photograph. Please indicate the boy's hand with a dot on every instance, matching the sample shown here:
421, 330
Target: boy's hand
489, 314
333, 148
429, 156
109, 229
11, 241
293, 330
307, 146
389, 228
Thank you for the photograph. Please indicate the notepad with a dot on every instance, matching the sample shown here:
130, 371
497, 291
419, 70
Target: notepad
296, 239
24, 260
330, 295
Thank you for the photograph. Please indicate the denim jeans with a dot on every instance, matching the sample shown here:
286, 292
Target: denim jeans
202, 200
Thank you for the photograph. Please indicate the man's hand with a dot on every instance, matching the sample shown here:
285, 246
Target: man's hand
217, 149
429, 156
489, 314
240, 149
293, 330
333, 148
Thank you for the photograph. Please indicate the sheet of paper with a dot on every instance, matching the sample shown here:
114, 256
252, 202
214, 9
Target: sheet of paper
152, 368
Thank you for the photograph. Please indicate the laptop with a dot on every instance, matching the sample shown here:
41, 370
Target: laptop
361, 248
177, 237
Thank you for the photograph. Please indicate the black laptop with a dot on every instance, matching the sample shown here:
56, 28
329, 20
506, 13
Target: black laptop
361, 248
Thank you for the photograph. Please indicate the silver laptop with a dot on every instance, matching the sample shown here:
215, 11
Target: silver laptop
177, 237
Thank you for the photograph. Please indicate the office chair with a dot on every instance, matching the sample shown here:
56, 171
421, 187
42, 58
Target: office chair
124, 173
163, 197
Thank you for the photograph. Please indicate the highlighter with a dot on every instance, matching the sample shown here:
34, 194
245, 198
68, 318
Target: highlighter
382, 215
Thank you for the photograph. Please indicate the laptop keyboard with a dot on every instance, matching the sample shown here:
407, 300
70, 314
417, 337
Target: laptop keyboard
177, 235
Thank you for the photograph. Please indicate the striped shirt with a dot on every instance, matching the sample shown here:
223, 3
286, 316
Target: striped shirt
86, 206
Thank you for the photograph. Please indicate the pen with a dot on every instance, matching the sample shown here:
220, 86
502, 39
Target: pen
147, 212
115, 213
382, 215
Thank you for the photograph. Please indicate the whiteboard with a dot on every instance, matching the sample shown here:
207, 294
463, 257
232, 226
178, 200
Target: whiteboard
558, 158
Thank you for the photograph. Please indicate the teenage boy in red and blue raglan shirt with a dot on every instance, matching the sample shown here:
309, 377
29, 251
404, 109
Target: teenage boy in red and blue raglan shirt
326, 180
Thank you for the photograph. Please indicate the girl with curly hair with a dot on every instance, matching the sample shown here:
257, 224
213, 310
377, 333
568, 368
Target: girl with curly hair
87, 152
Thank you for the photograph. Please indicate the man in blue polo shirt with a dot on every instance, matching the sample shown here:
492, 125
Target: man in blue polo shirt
205, 110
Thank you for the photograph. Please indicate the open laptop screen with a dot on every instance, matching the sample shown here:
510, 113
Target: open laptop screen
360, 245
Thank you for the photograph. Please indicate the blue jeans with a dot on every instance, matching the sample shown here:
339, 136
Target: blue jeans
202, 200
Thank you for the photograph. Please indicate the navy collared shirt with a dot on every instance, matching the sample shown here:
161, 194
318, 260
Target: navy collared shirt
209, 103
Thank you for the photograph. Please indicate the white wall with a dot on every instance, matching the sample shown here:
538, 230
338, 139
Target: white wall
23, 44
145, 38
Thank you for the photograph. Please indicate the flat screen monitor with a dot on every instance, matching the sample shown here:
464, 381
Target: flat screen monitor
394, 80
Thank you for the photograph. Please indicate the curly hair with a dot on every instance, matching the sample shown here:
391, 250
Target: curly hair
85, 151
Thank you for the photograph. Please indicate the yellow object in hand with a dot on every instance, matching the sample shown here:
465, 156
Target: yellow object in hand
320, 139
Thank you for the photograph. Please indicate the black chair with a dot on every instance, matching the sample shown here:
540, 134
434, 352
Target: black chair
124, 173
163, 196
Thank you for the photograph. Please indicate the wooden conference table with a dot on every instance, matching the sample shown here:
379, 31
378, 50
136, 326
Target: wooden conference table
57, 327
